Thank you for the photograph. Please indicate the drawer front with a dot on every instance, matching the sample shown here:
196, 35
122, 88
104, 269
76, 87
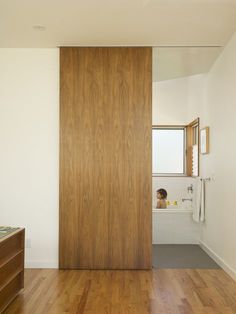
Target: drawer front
11, 268
9, 292
11, 246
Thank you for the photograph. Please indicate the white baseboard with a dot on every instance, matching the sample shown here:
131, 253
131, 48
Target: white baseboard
228, 269
41, 264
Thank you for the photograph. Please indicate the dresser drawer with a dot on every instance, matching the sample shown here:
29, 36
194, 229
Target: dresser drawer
11, 268
9, 292
11, 246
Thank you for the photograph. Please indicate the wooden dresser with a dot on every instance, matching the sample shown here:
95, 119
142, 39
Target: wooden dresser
11, 266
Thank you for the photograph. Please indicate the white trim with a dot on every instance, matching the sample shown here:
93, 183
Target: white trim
41, 264
228, 269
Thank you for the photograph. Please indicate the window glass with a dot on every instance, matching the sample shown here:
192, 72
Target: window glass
168, 147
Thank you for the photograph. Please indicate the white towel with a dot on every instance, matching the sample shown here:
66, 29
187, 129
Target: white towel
202, 201
199, 201
197, 196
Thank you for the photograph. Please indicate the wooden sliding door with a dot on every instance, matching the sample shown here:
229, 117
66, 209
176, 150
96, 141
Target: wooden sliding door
105, 158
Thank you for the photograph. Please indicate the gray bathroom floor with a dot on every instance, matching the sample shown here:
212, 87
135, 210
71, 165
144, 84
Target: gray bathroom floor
181, 256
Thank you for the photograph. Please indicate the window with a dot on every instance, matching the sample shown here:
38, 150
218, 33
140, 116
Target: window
175, 150
168, 150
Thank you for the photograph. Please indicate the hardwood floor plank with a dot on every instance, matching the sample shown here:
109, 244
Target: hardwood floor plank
172, 291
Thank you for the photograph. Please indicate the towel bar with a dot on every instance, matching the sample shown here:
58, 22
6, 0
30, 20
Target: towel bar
205, 179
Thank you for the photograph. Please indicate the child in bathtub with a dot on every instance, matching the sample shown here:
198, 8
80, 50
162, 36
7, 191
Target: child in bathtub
161, 198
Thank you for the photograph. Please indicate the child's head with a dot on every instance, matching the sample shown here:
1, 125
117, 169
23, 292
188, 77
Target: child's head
161, 194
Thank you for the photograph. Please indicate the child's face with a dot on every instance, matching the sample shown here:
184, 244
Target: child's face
159, 196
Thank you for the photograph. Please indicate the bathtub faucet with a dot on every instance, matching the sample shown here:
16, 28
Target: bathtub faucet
187, 199
190, 188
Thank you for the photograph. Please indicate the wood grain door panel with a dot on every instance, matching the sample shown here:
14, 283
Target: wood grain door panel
105, 158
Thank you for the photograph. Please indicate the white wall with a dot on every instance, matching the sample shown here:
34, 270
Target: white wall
196, 104
170, 102
219, 112
178, 101
29, 149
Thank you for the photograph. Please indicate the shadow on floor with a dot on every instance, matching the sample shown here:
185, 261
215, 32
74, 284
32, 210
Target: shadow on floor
181, 256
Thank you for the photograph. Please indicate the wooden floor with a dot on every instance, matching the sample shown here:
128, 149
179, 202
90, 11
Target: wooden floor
158, 291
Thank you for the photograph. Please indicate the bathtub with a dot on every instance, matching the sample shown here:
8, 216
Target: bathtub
174, 226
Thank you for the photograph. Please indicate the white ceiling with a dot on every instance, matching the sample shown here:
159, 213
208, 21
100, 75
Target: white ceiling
116, 22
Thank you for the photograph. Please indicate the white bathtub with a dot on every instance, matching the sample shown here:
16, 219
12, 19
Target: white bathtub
174, 226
